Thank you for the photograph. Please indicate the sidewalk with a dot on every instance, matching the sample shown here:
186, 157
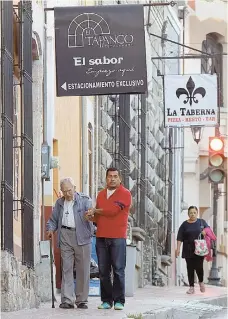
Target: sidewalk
149, 303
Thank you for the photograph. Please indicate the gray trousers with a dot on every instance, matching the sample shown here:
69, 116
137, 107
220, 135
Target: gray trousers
72, 253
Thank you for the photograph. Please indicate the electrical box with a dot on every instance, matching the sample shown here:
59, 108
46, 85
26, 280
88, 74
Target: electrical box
45, 161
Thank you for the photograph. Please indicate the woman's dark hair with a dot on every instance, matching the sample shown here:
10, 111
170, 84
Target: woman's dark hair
192, 207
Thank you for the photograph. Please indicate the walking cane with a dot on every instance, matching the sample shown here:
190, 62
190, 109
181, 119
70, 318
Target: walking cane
52, 281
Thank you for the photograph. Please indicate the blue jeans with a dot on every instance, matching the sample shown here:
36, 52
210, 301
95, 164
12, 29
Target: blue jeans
111, 254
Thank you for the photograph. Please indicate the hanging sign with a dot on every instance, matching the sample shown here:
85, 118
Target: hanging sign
100, 50
191, 100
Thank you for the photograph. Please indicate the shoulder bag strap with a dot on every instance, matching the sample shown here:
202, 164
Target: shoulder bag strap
201, 224
202, 228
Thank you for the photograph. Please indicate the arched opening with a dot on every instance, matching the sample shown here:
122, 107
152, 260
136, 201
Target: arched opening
86, 25
36, 46
210, 65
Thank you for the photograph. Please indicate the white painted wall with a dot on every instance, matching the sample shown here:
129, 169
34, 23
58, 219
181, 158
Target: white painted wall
51, 77
42, 268
51, 89
90, 119
209, 17
38, 23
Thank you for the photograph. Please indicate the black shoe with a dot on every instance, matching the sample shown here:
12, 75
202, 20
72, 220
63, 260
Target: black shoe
82, 305
66, 305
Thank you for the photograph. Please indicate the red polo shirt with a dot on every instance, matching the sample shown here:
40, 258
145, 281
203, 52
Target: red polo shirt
113, 221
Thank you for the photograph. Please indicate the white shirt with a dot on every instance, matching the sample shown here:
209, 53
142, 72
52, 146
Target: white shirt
110, 192
68, 214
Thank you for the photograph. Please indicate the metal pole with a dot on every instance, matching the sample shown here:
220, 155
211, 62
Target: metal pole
42, 210
180, 44
97, 145
214, 278
45, 80
160, 4
183, 40
1, 131
52, 276
44, 118
21, 19
84, 144
155, 4
193, 56
177, 195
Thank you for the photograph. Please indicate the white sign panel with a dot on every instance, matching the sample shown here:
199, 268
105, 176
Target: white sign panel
191, 100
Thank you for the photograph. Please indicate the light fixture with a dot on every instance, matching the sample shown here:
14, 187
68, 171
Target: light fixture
113, 98
216, 144
197, 133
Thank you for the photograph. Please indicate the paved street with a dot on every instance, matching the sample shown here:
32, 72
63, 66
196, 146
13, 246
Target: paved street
156, 302
219, 315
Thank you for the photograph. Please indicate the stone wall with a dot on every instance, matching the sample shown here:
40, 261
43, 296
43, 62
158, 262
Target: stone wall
18, 285
147, 260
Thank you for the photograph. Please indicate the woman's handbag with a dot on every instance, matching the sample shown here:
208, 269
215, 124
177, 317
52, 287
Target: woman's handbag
201, 248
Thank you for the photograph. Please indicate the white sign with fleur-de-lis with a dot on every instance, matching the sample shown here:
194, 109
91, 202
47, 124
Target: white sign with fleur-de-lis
191, 100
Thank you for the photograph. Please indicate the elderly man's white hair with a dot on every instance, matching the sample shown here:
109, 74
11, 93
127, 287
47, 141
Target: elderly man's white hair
66, 180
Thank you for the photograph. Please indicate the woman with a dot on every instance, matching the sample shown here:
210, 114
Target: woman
188, 232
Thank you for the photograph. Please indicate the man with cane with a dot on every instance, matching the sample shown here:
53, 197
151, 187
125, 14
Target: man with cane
74, 239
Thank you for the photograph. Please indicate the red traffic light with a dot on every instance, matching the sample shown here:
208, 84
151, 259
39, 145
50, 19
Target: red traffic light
216, 144
216, 160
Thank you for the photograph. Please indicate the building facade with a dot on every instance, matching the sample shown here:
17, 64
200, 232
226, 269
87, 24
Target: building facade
126, 131
21, 136
132, 137
206, 30
69, 127
84, 136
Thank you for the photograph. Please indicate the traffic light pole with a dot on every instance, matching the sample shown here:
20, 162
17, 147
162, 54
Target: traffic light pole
214, 278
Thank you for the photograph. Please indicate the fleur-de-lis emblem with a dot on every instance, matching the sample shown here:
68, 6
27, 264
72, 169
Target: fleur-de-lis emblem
191, 92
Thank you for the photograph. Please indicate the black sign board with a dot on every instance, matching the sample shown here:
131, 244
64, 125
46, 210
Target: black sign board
100, 50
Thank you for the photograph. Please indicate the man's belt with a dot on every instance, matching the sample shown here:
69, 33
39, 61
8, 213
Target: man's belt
70, 228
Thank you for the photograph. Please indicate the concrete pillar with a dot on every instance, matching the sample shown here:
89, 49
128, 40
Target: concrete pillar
37, 140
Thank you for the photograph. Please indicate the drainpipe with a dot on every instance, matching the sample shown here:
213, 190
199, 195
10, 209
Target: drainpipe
84, 143
96, 145
44, 114
183, 39
177, 194
1, 129
183, 70
179, 171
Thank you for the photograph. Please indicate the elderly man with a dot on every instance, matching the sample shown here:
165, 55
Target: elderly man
74, 239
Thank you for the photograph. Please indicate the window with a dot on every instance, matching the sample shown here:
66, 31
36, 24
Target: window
90, 158
211, 65
16, 150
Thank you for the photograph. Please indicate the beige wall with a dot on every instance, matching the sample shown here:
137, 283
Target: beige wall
68, 134
199, 30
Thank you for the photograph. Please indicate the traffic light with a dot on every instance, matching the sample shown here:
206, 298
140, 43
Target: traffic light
216, 160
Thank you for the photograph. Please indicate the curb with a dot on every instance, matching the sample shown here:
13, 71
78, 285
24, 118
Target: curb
189, 310
219, 301
171, 313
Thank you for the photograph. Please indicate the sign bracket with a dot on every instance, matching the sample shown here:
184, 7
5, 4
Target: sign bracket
155, 4
192, 56
183, 45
